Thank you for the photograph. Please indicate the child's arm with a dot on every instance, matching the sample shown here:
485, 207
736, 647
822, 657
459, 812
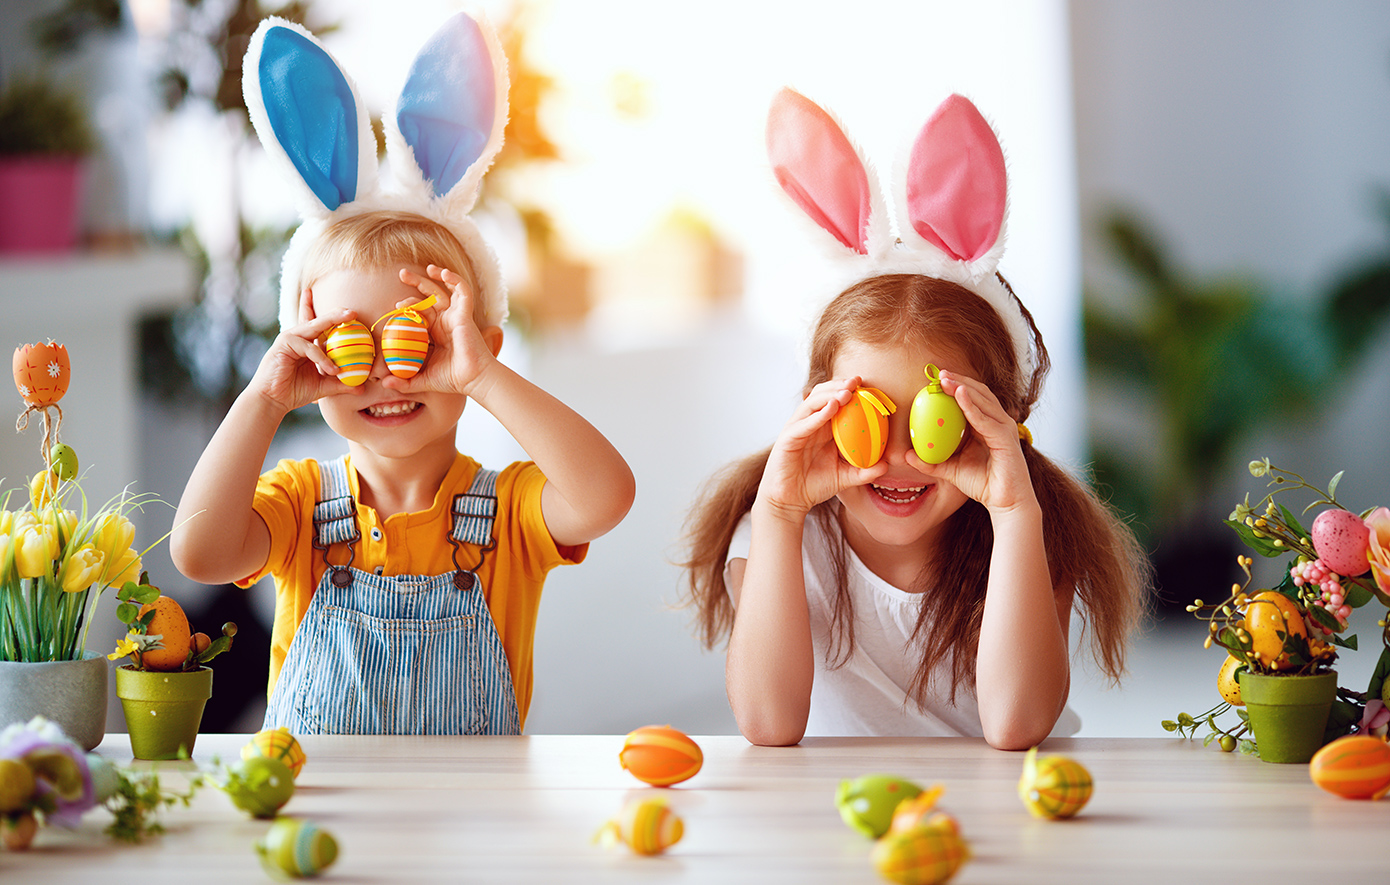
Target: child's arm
589, 487
1022, 669
219, 538
770, 665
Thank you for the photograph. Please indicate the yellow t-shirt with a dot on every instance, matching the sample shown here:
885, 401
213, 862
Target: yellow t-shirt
414, 544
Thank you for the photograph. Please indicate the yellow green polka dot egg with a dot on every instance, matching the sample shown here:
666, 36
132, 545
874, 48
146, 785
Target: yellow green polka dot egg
1053, 787
278, 744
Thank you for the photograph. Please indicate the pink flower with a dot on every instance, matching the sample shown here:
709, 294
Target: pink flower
1378, 552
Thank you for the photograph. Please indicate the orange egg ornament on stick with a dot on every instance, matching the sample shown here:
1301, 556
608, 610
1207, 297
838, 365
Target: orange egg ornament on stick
660, 755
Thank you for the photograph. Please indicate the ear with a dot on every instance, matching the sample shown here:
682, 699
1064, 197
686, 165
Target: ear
956, 182
818, 167
451, 113
309, 117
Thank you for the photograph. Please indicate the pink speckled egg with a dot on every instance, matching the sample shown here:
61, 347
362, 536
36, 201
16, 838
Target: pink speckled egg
1341, 539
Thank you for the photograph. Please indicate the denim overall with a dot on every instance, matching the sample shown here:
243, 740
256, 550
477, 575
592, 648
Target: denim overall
410, 654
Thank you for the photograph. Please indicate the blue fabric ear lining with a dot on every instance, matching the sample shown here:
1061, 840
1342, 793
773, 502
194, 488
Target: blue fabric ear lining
446, 110
312, 112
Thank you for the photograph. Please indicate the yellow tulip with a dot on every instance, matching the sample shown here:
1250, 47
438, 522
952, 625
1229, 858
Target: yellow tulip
126, 568
35, 548
5, 545
64, 522
113, 536
6, 521
81, 569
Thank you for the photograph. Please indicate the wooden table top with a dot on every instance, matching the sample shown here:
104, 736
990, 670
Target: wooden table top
524, 809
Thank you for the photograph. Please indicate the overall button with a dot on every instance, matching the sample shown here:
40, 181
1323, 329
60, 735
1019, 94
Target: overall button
379, 569
376, 533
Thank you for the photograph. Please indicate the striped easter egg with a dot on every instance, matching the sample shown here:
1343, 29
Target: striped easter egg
922, 855
278, 744
648, 826
660, 755
1054, 786
1353, 767
296, 848
860, 427
405, 342
351, 348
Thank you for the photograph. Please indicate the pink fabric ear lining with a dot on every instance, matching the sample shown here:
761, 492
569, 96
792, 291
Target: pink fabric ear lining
818, 168
956, 181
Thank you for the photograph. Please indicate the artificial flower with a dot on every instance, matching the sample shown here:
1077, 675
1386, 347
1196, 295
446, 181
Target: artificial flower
81, 569
124, 647
63, 780
1378, 551
35, 548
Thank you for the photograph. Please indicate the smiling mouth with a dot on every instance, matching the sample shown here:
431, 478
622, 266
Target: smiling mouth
391, 410
898, 495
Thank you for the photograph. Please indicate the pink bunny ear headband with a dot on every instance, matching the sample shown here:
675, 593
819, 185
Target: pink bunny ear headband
954, 197
442, 136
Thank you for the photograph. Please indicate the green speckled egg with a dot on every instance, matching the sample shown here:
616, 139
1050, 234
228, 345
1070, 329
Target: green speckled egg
936, 423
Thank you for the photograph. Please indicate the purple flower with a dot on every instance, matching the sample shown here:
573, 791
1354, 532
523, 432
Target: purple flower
64, 781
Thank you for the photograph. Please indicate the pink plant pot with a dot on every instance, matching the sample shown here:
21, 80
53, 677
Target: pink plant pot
39, 203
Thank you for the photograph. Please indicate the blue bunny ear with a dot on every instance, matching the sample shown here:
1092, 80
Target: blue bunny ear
308, 114
453, 108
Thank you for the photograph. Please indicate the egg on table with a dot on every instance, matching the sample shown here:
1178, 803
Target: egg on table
278, 744
296, 848
1353, 767
924, 854
867, 803
660, 755
42, 373
1054, 787
647, 825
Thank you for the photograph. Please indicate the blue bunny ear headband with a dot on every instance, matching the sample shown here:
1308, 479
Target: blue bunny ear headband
442, 136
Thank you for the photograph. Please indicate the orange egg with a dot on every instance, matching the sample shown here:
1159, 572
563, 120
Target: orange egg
860, 427
660, 755
1269, 618
1354, 767
42, 372
171, 625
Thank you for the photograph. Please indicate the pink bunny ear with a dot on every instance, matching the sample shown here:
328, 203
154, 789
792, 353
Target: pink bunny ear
956, 181
818, 168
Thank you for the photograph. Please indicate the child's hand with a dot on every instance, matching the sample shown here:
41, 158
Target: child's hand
296, 371
462, 352
989, 466
805, 468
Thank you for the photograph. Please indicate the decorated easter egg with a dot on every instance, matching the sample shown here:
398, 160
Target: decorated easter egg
42, 372
647, 826
63, 460
1228, 683
860, 427
922, 855
279, 744
1353, 767
42, 487
297, 848
918, 810
259, 786
936, 423
1269, 618
660, 755
176, 637
867, 803
1054, 786
1341, 538
351, 348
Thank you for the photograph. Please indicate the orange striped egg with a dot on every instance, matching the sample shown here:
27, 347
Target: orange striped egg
922, 855
405, 342
1054, 786
647, 826
860, 427
41, 372
1354, 767
351, 348
277, 744
660, 755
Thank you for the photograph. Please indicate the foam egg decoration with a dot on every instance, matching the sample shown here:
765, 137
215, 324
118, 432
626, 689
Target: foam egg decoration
660, 755
1353, 767
1228, 682
936, 423
860, 427
1340, 537
647, 826
918, 810
1053, 787
405, 339
63, 460
867, 803
922, 855
351, 348
296, 848
277, 744
42, 373
259, 786
1269, 617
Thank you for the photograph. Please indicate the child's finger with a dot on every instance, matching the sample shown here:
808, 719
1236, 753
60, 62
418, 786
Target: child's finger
314, 326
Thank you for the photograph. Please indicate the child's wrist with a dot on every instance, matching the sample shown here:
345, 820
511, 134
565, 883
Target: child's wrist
770, 509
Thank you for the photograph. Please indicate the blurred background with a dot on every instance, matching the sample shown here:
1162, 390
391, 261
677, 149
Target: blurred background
1199, 219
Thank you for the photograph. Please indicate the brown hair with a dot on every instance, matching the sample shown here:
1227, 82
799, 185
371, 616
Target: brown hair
385, 238
1093, 551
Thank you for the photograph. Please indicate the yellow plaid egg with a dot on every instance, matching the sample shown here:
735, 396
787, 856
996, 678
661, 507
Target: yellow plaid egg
927, 854
277, 744
351, 348
1054, 786
647, 826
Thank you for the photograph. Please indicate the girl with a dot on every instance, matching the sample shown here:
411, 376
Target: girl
905, 597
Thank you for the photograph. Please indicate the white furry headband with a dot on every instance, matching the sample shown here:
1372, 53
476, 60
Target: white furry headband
954, 194
441, 138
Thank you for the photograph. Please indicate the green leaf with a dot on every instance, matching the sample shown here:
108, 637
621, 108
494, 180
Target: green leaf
1262, 546
1356, 595
1332, 485
146, 594
1206, 741
1292, 522
218, 645
125, 612
1169, 725
1324, 618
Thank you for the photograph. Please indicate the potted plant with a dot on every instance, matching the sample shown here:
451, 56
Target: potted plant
44, 136
1281, 641
57, 557
165, 687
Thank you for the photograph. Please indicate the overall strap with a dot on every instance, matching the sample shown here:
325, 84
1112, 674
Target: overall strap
474, 512
335, 513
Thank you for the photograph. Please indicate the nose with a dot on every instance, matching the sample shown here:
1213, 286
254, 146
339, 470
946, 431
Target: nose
379, 370
899, 443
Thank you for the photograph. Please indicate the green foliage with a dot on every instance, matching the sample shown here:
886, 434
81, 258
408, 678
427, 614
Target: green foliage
36, 117
136, 803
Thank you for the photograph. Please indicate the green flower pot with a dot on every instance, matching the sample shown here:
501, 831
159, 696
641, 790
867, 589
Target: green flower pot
162, 710
1288, 713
